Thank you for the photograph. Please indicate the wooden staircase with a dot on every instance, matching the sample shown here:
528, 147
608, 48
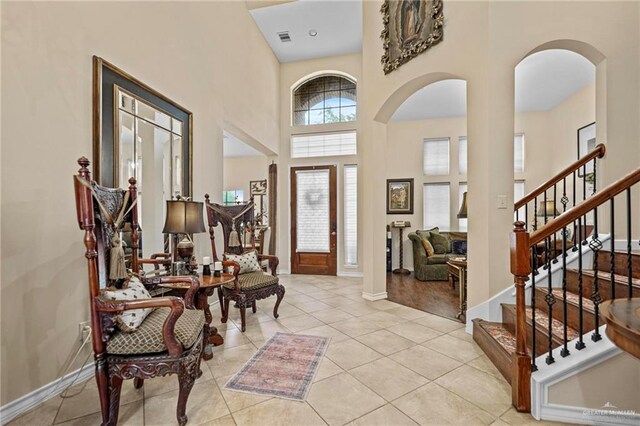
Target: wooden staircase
497, 339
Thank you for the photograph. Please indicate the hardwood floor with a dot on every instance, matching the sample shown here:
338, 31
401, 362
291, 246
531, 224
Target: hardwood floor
435, 297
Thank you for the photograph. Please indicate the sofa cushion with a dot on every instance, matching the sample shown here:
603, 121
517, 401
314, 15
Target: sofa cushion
147, 338
440, 242
128, 321
459, 246
427, 232
427, 247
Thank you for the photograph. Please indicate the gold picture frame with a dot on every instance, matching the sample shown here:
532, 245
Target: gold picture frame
410, 28
400, 196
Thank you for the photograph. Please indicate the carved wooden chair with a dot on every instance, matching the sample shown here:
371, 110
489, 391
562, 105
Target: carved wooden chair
247, 287
168, 341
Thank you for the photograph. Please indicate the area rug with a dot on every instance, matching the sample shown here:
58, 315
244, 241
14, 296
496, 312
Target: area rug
283, 367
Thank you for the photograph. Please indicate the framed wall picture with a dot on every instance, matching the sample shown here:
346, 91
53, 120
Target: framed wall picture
410, 28
400, 196
258, 187
586, 144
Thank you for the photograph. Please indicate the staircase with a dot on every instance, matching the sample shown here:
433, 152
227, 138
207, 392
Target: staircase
556, 306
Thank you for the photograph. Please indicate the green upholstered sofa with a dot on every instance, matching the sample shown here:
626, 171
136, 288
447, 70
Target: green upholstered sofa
434, 267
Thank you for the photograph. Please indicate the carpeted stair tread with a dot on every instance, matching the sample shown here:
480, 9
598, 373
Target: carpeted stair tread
606, 275
574, 299
500, 334
557, 327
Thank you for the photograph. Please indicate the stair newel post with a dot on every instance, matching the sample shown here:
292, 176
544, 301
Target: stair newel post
521, 268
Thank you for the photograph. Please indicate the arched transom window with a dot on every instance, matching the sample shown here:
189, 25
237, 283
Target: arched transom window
323, 100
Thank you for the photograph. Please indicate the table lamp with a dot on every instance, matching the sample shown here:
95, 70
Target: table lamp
183, 217
462, 213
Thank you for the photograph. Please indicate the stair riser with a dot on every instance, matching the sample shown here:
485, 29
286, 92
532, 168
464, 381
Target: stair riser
620, 266
494, 352
542, 337
573, 313
604, 286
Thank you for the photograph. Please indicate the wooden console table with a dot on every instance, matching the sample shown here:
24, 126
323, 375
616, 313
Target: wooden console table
457, 268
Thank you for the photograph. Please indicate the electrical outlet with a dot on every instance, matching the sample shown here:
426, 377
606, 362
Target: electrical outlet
84, 328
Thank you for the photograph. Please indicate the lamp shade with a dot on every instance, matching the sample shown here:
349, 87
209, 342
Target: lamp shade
547, 209
462, 213
184, 217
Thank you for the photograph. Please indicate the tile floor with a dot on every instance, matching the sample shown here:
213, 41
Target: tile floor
387, 364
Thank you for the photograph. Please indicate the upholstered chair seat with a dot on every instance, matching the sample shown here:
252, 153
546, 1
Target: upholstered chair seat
254, 280
147, 338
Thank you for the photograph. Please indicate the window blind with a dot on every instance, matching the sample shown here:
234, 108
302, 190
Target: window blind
462, 155
323, 144
351, 215
518, 153
518, 193
437, 211
462, 223
312, 216
436, 157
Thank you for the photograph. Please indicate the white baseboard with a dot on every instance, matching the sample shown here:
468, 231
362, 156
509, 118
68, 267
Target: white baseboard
284, 272
587, 416
374, 296
350, 274
25, 403
622, 245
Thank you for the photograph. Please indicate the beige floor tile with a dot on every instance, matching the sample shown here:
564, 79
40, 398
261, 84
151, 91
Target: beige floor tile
513, 417
462, 334
426, 362
320, 294
160, 385
455, 348
415, 332
314, 306
278, 412
385, 342
234, 337
331, 316
264, 330
358, 308
251, 318
131, 414
483, 363
326, 369
341, 398
287, 310
383, 319
383, 305
205, 404
356, 327
88, 402
42, 415
384, 416
237, 401
434, 405
387, 378
499, 422
222, 421
328, 331
407, 312
230, 361
439, 323
337, 301
350, 354
486, 391
299, 298
300, 322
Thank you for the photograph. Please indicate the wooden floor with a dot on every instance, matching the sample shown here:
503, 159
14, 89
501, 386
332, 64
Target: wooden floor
435, 297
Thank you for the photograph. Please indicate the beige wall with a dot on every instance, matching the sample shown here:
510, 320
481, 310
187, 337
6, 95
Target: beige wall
209, 57
238, 171
550, 145
480, 47
290, 76
615, 381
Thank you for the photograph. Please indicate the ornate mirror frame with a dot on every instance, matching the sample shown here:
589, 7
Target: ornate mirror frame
106, 77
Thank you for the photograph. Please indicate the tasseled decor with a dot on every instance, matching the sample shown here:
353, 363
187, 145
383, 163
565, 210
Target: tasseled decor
234, 240
117, 265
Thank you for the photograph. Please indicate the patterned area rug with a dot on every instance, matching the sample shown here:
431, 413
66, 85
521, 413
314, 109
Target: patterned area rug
284, 367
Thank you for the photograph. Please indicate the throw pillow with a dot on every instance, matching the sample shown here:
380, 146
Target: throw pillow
248, 261
427, 232
427, 247
459, 246
129, 321
440, 243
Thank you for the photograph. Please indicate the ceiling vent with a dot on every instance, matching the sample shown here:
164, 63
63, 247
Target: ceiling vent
284, 36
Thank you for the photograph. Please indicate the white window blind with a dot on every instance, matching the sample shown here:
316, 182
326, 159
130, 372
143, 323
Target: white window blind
462, 223
323, 144
436, 157
312, 203
518, 153
351, 215
518, 193
462, 155
437, 211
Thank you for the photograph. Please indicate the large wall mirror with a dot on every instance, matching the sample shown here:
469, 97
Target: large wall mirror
140, 133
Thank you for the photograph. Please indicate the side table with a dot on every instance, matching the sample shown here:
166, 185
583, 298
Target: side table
457, 268
208, 283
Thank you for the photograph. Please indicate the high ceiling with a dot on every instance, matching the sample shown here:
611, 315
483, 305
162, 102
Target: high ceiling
543, 81
234, 147
338, 24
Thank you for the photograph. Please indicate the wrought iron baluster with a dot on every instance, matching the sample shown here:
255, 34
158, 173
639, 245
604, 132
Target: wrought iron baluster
580, 343
612, 258
575, 194
555, 238
534, 266
565, 350
629, 262
535, 213
550, 299
596, 245
526, 216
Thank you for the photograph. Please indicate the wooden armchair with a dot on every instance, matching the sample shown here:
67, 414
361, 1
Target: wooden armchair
168, 341
247, 287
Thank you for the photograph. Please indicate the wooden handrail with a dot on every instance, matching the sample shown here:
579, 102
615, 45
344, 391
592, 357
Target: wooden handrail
598, 152
583, 208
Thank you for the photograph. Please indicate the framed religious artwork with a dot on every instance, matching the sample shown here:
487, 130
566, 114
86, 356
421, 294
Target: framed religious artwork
410, 28
586, 144
400, 196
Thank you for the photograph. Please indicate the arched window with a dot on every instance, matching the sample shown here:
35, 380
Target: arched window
325, 99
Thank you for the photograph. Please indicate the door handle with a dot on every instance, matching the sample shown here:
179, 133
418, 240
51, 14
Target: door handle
333, 233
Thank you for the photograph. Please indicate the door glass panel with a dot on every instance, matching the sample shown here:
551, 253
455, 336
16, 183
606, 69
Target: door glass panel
312, 222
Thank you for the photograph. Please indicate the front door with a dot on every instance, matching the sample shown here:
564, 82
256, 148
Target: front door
313, 220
